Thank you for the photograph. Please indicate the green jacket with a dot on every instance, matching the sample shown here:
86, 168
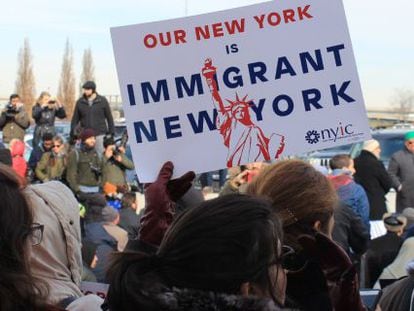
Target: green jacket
114, 171
80, 169
45, 171
14, 128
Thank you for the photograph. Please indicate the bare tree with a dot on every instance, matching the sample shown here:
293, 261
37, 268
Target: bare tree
88, 69
67, 86
25, 82
403, 103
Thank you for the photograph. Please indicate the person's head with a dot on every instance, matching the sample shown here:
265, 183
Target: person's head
372, 146
129, 200
47, 141
231, 245
342, 162
17, 233
394, 223
110, 215
43, 98
17, 147
302, 197
409, 141
58, 145
109, 142
14, 99
88, 138
89, 88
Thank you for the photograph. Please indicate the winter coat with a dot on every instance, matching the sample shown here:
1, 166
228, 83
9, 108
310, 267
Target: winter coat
401, 170
97, 116
51, 167
14, 127
57, 259
129, 220
113, 171
349, 231
80, 166
45, 121
175, 299
372, 175
17, 153
397, 269
351, 194
398, 296
382, 252
106, 245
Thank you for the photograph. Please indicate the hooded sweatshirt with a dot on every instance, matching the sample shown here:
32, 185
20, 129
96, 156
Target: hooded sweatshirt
19, 163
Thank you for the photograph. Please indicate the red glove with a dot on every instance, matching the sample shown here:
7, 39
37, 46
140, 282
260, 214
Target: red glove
160, 197
340, 273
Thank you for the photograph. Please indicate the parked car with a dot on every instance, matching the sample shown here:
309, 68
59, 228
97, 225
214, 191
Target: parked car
322, 157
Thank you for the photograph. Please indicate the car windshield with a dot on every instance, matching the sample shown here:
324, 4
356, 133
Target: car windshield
389, 145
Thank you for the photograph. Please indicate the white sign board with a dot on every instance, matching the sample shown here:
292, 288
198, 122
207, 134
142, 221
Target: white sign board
239, 86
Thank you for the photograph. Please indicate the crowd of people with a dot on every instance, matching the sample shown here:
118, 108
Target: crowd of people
281, 236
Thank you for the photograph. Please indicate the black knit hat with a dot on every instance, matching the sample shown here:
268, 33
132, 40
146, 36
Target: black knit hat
89, 85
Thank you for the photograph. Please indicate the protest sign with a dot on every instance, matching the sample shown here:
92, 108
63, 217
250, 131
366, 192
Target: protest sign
238, 86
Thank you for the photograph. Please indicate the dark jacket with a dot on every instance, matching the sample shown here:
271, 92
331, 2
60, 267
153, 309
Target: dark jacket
349, 231
45, 121
14, 126
129, 220
382, 252
372, 175
351, 194
81, 169
106, 245
401, 170
158, 297
97, 116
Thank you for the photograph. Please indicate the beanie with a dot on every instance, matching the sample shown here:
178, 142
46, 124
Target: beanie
89, 85
371, 145
109, 214
409, 135
87, 133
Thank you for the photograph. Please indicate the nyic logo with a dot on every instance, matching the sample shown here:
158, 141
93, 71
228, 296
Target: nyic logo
331, 134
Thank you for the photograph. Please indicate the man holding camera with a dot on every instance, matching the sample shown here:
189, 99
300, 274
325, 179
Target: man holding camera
84, 166
115, 163
44, 113
92, 111
14, 120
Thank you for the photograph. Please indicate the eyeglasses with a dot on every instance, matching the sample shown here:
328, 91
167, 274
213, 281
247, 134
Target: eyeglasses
35, 233
289, 260
56, 146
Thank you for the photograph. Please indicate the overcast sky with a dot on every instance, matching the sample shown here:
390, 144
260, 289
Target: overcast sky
380, 32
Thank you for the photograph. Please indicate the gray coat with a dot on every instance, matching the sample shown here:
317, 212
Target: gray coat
401, 170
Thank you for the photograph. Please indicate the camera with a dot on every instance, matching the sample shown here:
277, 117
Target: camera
95, 170
11, 111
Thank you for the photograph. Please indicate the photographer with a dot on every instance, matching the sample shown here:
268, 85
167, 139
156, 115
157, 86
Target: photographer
84, 166
14, 120
115, 163
44, 113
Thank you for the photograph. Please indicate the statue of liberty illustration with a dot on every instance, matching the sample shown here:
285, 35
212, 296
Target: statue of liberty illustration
246, 142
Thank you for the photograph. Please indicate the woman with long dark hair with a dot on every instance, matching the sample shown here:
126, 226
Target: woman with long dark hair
225, 254
18, 289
